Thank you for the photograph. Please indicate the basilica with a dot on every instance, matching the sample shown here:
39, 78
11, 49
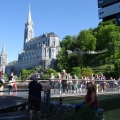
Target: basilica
37, 51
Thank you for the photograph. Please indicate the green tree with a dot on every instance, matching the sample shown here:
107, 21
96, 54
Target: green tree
75, 60
86, 71
46, 76
107, 35
68, 42
49, 71
114, 43
76, 71
62, 60
86, 40
24, 73
117, 68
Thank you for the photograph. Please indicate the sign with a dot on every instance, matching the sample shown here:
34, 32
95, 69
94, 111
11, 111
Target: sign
108, 11
103, 3
118, 19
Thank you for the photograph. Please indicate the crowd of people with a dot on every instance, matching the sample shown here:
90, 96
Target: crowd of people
12, 85
68, 83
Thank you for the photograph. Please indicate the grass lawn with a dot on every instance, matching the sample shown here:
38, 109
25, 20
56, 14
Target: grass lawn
112, 114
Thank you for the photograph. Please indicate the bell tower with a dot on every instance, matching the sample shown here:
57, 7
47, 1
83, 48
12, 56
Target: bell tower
28, 31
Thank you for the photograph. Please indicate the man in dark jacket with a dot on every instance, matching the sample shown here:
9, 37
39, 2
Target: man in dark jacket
35, 89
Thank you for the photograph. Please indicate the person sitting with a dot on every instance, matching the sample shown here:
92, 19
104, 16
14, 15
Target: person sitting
90, 99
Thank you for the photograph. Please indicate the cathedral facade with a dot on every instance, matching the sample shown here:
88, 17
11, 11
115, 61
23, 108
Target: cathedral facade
37, 51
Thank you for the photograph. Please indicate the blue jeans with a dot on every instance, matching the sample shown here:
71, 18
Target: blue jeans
75, 87
60, 86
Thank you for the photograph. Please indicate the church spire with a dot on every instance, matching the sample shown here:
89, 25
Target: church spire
29, 31
3, 50
29, 20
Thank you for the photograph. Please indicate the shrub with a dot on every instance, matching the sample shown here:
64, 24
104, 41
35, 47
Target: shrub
49, 71
87, 71
76, 71
46, 76
83, 114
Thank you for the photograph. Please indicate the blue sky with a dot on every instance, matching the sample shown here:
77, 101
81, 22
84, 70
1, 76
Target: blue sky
64, 17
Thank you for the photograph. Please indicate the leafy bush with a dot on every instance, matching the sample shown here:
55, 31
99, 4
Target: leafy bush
25, 73
46, 76
49, 71
83, 114
76, 71
87, 71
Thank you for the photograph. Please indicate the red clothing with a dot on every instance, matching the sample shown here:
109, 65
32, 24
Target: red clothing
15, 86
88, 99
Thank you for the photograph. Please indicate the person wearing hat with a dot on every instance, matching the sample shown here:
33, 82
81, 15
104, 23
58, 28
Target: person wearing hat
34, 97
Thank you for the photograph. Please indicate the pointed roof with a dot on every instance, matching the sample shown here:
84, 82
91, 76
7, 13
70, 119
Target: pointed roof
3, 50
29, 19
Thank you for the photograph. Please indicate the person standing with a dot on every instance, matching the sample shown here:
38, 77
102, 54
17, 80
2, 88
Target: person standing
34, 97
10, 83
59, 83
85, 82
75, 82
1, 82
52, 81
15, 85
111, 82
102, 78
64, 80
119, 83
92, 78
69, 82
97, 78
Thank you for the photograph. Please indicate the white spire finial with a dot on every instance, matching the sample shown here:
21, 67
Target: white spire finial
29, 15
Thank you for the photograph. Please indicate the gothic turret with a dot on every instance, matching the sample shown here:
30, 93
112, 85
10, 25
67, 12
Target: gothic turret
29, 31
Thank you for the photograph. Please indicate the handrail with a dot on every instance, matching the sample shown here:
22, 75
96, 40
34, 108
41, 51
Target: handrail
56, 79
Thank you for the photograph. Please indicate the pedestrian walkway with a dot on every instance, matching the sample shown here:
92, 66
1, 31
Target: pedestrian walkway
84, 93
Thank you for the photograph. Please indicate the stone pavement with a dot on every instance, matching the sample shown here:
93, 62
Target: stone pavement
18, 115
7, 101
